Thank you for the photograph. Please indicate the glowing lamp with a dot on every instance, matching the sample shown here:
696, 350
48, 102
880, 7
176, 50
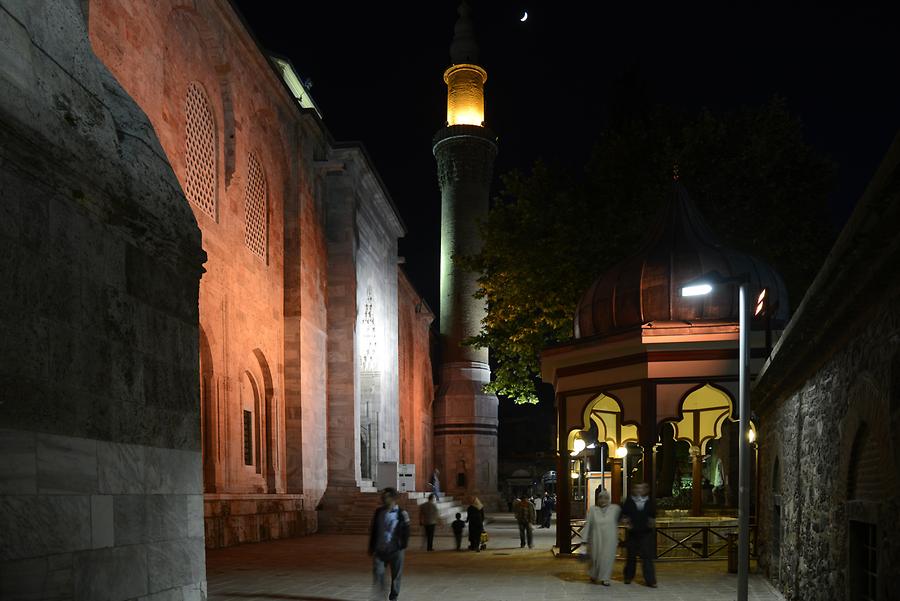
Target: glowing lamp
751, 436
577, 446
621, 452
465, 94
696, 290
574, 475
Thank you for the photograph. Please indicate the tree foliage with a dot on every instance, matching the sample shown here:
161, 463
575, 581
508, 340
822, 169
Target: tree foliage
553, 230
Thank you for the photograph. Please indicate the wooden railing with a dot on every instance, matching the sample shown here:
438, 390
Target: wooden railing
680, 542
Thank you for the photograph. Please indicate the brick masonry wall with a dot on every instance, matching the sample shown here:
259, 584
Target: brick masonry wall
811, 434
100, 483
416, 382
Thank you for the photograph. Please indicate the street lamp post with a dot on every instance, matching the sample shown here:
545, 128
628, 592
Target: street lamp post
702, 286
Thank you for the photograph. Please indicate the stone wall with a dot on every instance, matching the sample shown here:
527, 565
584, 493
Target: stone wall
811, 435
416, 381
829, 408
101, 484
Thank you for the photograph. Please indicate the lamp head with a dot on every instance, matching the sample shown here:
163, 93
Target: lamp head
696, 290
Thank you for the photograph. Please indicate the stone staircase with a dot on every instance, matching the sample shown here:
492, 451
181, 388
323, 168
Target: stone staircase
352, 513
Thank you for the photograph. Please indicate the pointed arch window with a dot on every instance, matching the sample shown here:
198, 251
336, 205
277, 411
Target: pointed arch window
256, 231
201, 171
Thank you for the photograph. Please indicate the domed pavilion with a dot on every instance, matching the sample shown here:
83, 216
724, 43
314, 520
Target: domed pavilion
649, 370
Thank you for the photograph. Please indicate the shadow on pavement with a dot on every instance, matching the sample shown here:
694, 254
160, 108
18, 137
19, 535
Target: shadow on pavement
275, 596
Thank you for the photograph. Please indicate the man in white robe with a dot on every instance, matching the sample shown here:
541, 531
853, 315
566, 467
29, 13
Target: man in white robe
601, 534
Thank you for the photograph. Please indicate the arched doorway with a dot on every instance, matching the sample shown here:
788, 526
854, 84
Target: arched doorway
706, 413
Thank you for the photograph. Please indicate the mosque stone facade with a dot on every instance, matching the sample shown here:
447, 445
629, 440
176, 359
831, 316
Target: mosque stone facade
201, 295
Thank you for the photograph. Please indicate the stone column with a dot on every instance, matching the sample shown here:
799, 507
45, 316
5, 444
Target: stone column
616, 480
563, 481
697, 482
343, 393
465, 417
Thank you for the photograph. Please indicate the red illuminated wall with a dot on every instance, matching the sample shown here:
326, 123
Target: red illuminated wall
416, 381
263, 340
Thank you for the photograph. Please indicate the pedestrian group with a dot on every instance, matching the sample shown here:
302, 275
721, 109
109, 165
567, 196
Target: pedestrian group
390, 528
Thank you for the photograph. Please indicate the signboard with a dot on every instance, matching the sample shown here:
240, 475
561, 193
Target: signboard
406, 476
386, 475
594, 481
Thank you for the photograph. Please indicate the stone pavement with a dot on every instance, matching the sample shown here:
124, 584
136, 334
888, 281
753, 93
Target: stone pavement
336, 568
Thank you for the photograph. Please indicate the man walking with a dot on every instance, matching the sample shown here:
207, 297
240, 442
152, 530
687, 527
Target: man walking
428, 517
388, 538
548, 510
524, 517
435, 483
639, 514
538, 510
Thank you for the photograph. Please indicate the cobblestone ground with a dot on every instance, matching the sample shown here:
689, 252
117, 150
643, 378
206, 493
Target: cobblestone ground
336, 568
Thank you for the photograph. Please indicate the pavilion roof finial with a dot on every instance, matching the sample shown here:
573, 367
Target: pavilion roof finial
675, 175
463, 49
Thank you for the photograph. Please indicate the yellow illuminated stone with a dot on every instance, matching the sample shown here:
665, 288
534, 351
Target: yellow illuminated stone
465, 94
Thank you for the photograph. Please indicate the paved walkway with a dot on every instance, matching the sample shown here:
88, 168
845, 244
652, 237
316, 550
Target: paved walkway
336, 568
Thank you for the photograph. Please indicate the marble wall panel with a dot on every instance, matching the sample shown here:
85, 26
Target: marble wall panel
172, 471
42, 525
102, 534
66, 465
176, 563
111, 573
121, 468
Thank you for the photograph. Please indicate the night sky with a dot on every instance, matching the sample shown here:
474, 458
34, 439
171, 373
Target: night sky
377, 71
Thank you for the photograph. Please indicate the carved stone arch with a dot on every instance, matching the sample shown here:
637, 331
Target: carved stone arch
269, 422
628, 430
868, 412
193, 52
264, 135
251, 394
720, 421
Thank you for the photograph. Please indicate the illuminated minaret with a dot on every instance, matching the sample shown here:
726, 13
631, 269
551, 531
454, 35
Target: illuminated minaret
465, 417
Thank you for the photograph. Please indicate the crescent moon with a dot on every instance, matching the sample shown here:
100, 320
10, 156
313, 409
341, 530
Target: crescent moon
524, 17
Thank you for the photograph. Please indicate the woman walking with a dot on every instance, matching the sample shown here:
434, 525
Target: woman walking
475, 518
601, 534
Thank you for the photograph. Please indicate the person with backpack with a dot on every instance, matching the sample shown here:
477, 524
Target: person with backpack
388, 539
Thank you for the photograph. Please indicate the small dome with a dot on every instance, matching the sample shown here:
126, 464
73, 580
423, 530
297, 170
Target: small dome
647, 286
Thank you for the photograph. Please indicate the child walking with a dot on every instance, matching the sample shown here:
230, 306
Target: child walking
458, 526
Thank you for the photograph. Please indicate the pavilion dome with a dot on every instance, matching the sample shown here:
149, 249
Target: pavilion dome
680, 248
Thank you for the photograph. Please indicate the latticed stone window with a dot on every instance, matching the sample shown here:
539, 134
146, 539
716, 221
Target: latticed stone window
200, 151
255, 200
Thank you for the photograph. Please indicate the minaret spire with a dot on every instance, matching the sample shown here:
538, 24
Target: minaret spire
463, 48
465, 416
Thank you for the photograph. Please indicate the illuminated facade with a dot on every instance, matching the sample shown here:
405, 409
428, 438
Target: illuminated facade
465, 417
299, 304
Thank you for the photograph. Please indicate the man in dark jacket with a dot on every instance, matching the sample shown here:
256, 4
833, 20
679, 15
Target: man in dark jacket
525, 516
388, 538
639, 515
